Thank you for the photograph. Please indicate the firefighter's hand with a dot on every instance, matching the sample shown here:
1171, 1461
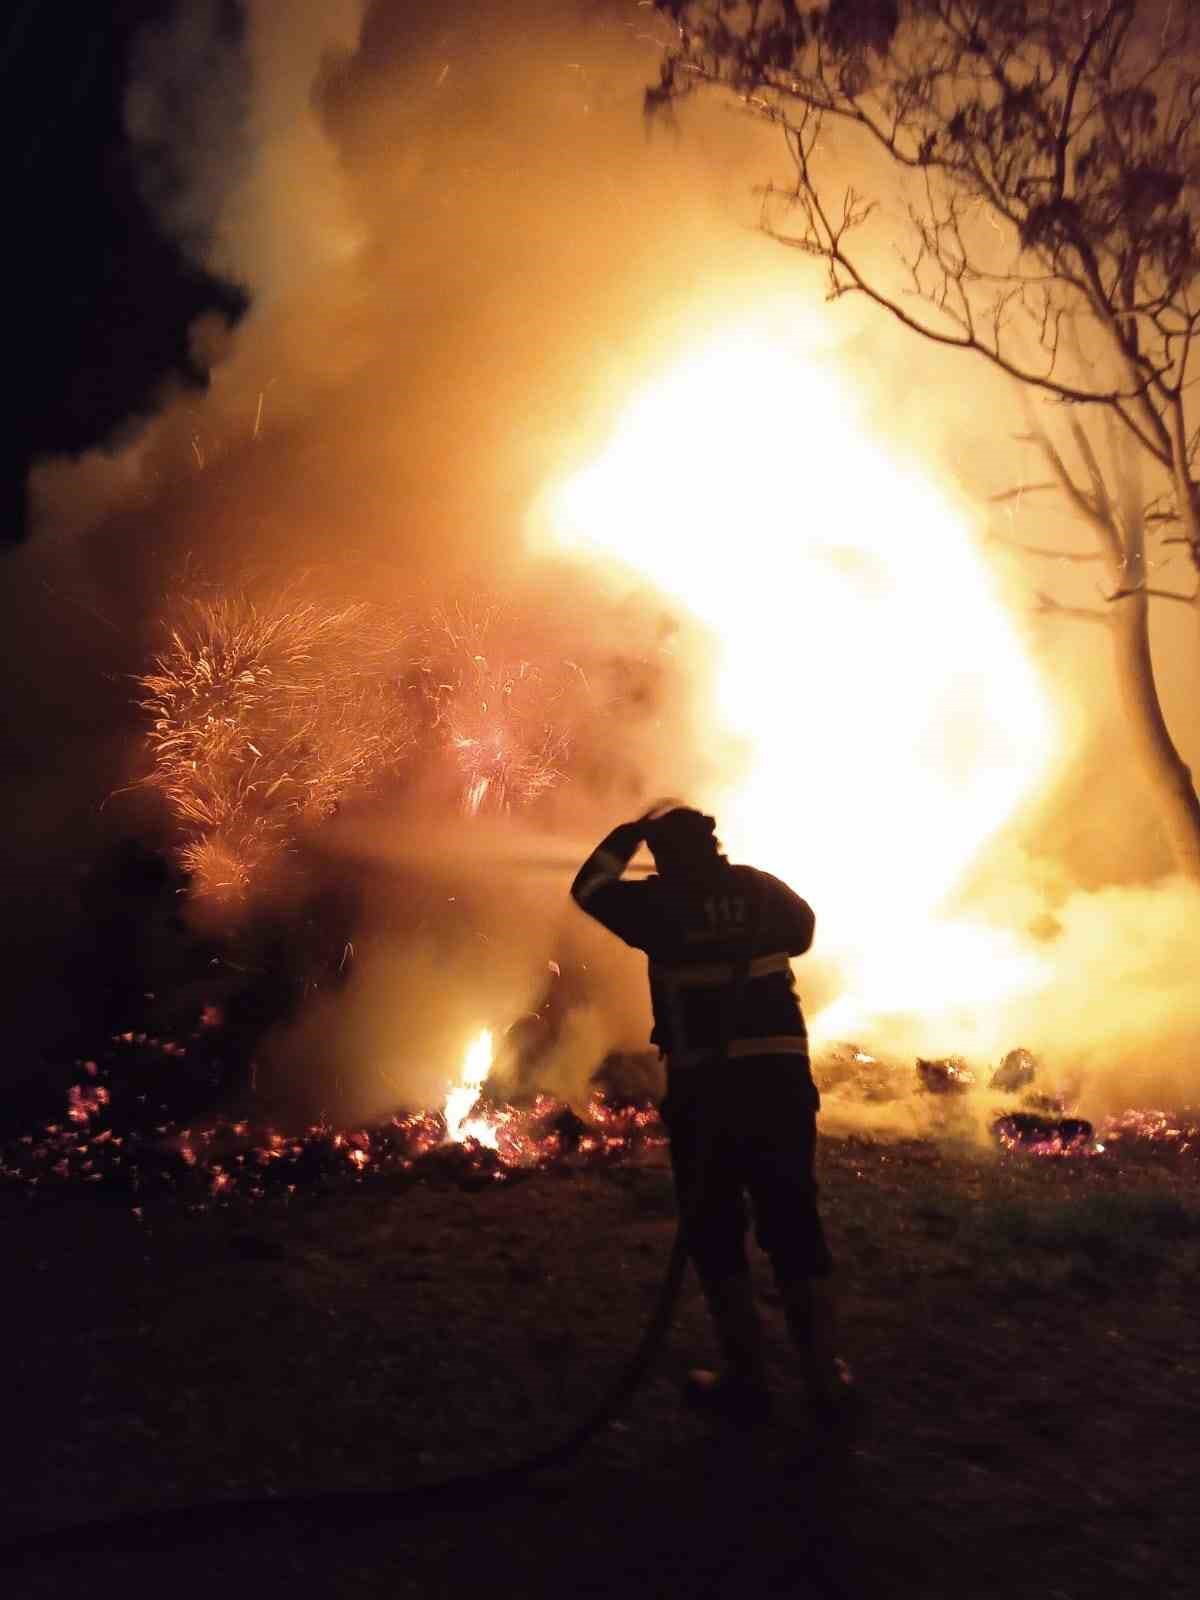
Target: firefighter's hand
624, 840
657, 810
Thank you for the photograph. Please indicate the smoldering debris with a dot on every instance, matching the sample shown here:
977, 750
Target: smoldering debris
138, 1128
1039, 1135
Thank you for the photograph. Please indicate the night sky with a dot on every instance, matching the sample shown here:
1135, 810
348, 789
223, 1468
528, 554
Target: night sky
101, 299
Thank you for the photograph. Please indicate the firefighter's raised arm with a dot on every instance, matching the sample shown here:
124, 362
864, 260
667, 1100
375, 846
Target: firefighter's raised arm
606, 863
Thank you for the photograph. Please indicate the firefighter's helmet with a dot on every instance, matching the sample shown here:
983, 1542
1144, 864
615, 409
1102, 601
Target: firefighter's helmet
680, 837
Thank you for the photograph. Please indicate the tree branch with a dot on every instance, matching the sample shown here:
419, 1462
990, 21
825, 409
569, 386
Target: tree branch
1048, 606
830, 247
1154, 594
1020, 491
1096, 513
1064, 130
1079, 556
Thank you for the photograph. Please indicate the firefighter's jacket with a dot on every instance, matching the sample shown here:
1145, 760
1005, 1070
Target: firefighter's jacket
696, 933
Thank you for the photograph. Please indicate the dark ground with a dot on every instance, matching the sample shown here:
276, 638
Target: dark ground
1025, 1330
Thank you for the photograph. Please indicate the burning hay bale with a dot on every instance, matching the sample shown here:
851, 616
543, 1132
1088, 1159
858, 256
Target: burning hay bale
949, 1075
263, 717
1018, 1069
856, 1074
630, 1077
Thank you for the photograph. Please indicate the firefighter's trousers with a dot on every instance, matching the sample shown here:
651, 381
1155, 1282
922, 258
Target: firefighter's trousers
746, 1129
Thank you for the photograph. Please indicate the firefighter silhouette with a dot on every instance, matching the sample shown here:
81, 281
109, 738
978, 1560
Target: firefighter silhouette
741, 1104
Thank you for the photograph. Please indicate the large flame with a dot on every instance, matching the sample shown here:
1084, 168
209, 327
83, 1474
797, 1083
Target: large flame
890, 718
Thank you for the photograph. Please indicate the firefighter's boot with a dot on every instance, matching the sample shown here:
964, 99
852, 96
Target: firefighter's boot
810, 1309
739, 1391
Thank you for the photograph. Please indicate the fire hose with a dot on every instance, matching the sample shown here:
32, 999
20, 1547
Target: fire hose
346, 1510
334, 1511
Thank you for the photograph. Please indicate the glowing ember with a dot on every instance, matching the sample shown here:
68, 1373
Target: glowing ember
888, 717
461, 1100
1046, 1136
84, 1103
1181, 1130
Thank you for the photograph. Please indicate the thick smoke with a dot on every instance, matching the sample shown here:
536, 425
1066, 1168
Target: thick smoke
463, 251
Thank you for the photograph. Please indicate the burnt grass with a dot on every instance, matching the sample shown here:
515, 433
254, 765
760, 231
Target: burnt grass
1024, 1331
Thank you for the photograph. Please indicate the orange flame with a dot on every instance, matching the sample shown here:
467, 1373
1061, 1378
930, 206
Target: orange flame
865, 663
476, 1064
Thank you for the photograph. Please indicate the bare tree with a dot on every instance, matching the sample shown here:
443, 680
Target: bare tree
1046, 156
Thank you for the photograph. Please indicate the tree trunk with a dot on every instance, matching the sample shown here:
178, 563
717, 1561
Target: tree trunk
1170, 778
